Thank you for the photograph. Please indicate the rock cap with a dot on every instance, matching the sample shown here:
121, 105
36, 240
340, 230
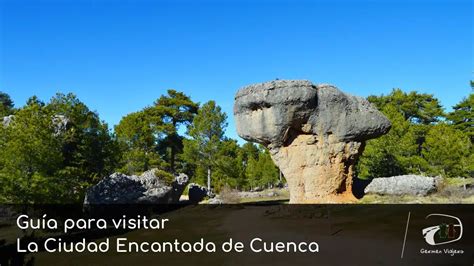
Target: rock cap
273, 113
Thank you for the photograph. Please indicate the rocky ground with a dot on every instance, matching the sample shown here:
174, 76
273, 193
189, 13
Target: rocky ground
448, 191
401, 189
155, 187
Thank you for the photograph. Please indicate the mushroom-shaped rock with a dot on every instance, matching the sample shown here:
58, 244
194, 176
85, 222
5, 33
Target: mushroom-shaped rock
315, 134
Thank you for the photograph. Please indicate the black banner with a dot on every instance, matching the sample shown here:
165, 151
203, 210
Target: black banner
237, 235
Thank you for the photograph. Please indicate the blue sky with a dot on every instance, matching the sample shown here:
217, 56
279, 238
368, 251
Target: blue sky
119, 56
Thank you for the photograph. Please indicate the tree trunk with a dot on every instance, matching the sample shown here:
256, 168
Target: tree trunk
209, 179
173, 154
174, 138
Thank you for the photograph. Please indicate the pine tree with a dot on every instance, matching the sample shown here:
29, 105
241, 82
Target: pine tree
88, 148
448, 151
228, 166
30, 157
395, 153
463, 116
52, 152
419, 108
261, 171
207, 134
269, 170
171, 111
6, 105
137, 137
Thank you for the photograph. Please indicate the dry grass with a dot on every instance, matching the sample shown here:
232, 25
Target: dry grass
450, 191
229, 196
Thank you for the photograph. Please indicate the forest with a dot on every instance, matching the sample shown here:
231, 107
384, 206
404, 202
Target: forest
52, 152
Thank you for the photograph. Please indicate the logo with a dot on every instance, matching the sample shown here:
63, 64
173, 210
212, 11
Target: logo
448, 231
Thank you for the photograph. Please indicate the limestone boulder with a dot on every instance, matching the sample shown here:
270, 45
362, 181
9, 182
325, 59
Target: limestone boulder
414, 185
147, 189
7, 120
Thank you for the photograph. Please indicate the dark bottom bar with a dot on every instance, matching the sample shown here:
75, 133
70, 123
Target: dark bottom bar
268, 235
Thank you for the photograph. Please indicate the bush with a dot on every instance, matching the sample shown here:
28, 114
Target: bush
166, 177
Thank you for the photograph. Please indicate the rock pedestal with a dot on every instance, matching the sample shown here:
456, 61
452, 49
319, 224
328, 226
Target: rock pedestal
317, 168
315, 134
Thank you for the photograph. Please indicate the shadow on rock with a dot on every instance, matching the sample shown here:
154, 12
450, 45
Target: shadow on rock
358, 187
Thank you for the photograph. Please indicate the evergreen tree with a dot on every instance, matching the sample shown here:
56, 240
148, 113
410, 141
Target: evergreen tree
170, 111
30, 156
448, 151
228, 166
400, 151
261, 171
6, 104
418, 142
269, 170
137, 136
207, 134
253, 172
53, 152
88, 148
419, 108
463, 116
395, 153
150, 138
249, 150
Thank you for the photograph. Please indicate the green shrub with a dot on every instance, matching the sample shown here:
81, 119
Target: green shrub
166, 177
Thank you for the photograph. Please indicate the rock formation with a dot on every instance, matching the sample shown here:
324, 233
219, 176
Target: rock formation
147, 188
315, 134
403, 185
196, 193
7, 120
